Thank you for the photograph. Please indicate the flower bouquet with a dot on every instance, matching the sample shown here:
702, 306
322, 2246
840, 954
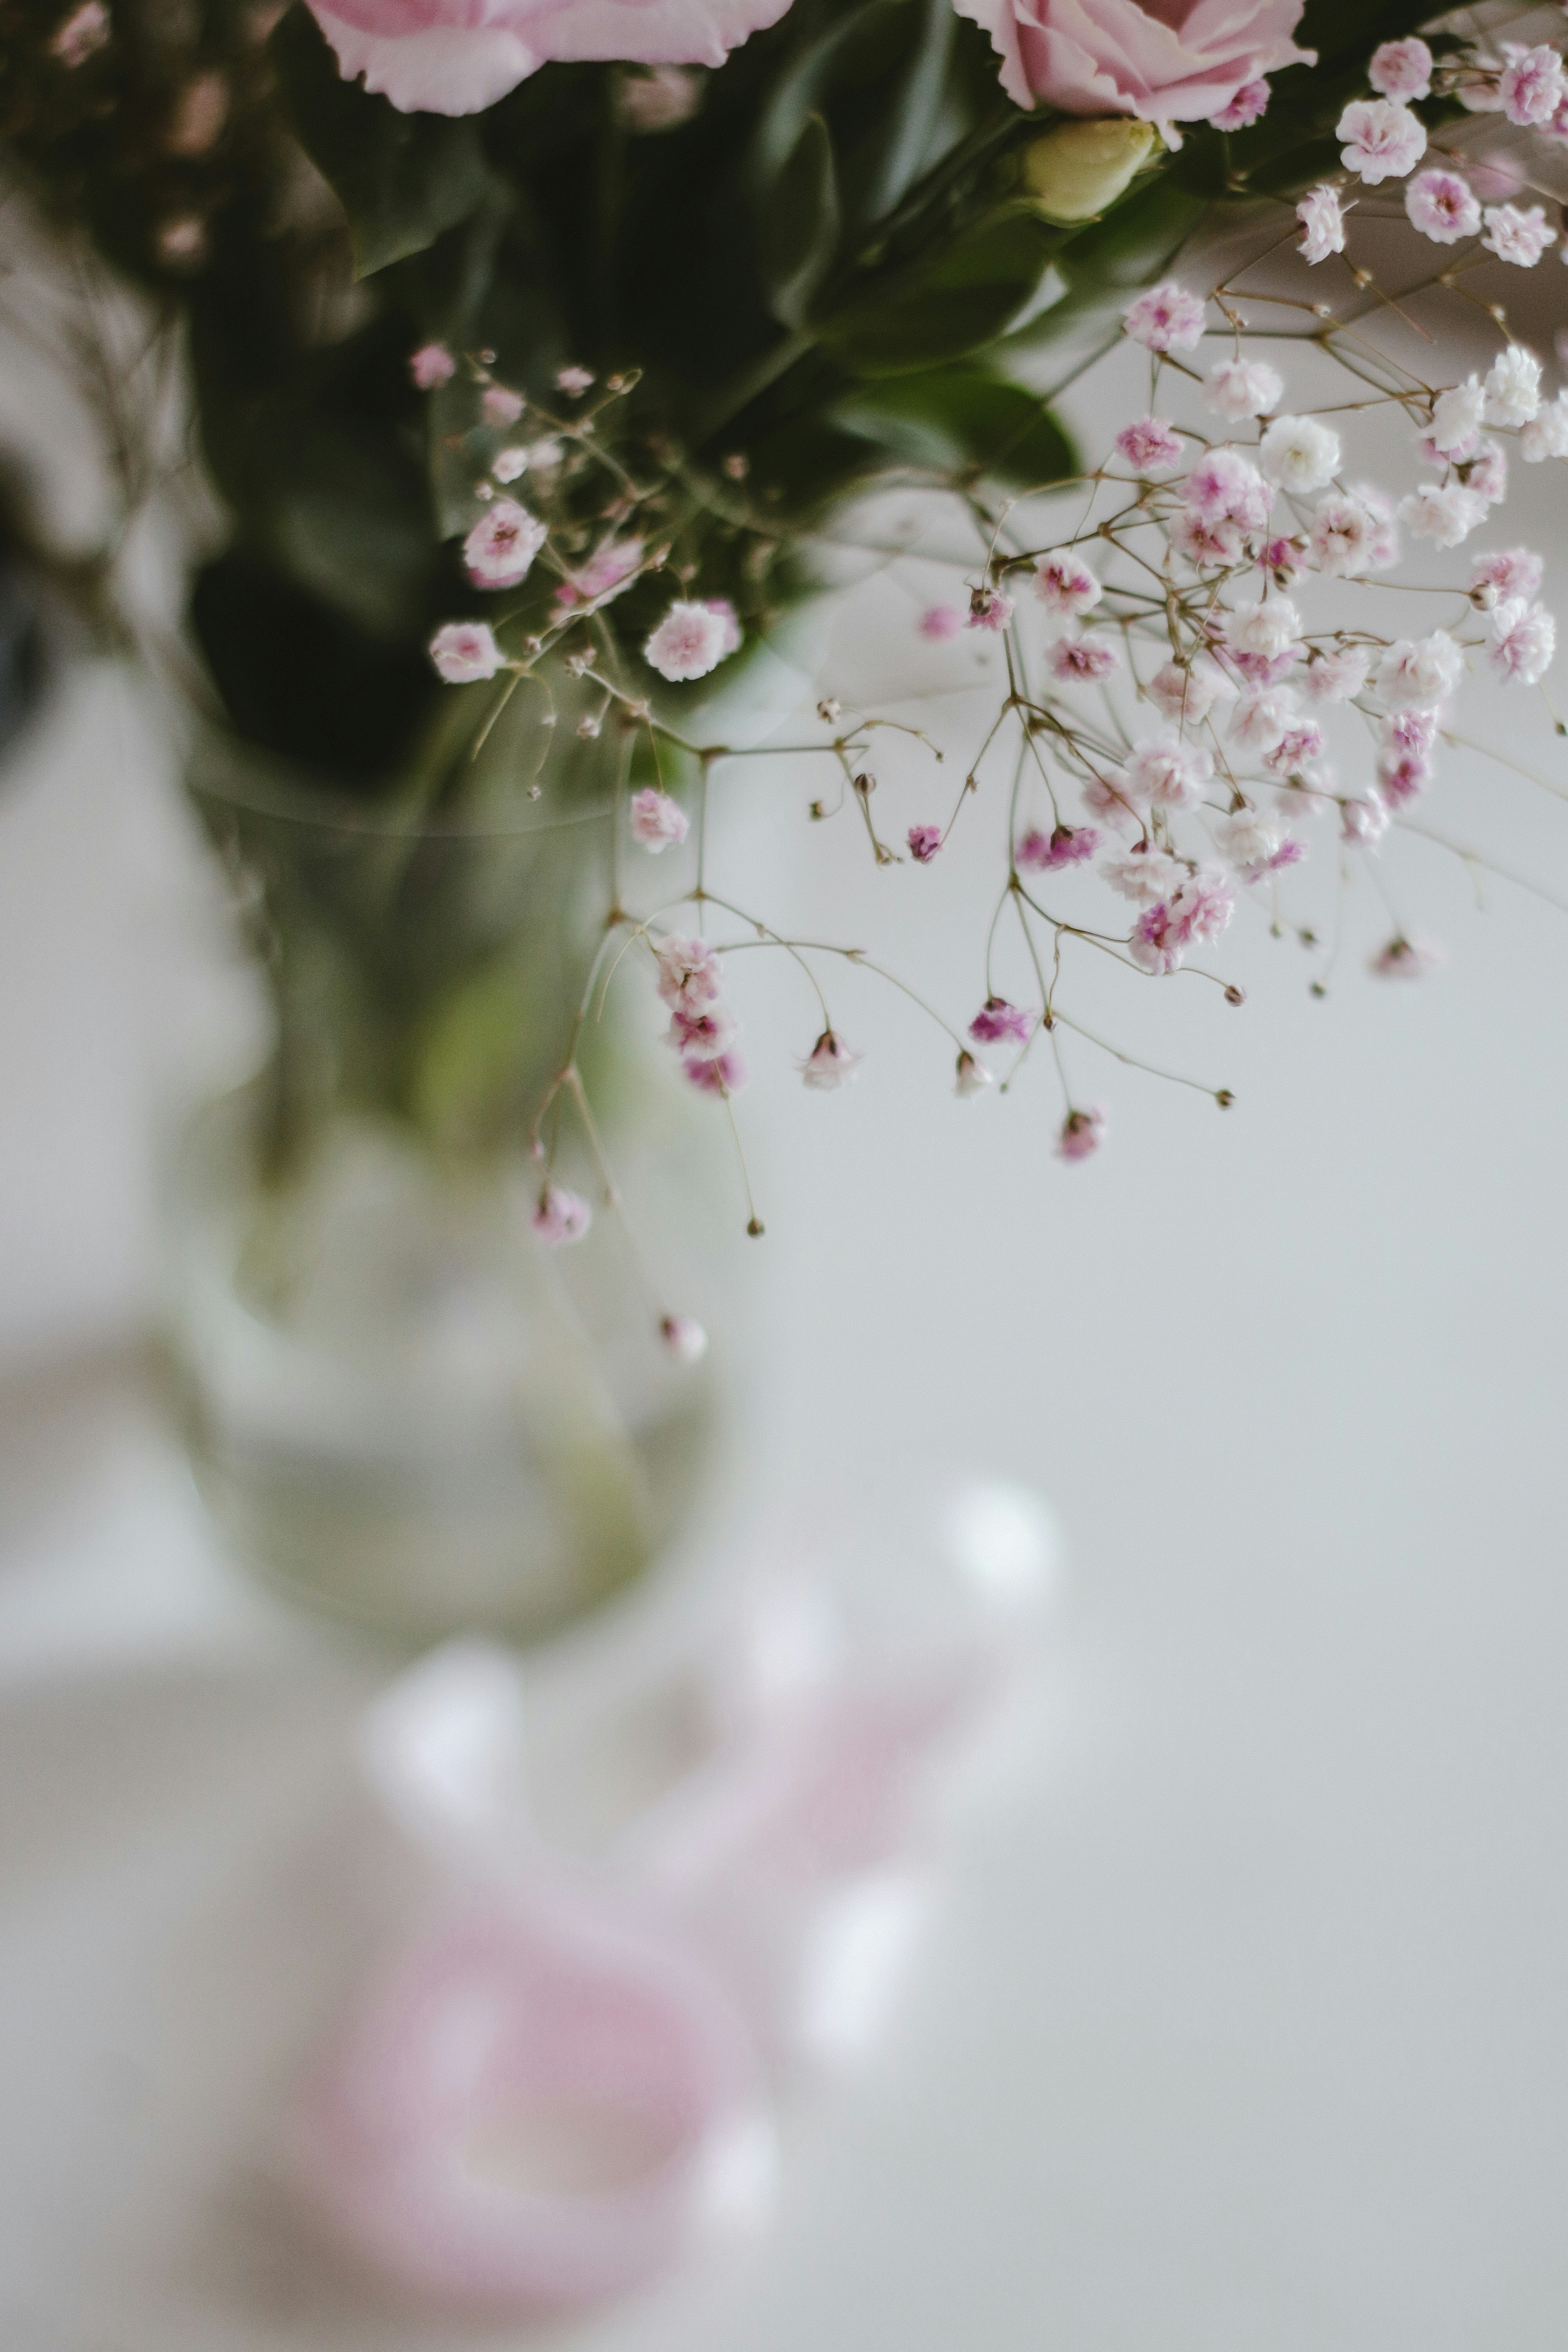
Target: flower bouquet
545, 355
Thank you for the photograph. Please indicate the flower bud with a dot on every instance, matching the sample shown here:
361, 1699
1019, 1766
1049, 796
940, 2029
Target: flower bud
1077, 169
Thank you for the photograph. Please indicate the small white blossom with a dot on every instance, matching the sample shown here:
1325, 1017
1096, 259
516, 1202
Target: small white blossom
1446, 516
1419, 676
1516, 234
830, 1064
1513, 387
1382, 140
1268, 628
1342, 537
502, 544
1457, 416
1166, 772
1299, 454
1525, 638
1144, 876
1322, 218
657, 821
1546, 434
1237, 389
1259, 721
691, 640
1339, 675
464, 651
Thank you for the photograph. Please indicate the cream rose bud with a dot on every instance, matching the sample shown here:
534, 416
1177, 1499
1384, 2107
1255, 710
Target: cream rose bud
1080, 168
453, 56
1183, 64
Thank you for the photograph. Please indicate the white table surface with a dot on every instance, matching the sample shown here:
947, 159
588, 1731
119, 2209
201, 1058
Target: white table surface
1244, 2021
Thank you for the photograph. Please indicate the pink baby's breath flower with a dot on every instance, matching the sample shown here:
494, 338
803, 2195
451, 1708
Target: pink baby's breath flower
702, 1037
1525, 638
1145, 874
688, 974
939, 621
1284, 558
1236, 389
1341, 537
465, 650
1383, 552
924, 841
1259, 721
1065, 846
1248, 106
688, 642
1066, 586
431, 366
1149, 446
1338, 676
1496, 175
684, 1337
1509, 571
971, 1077
1412, 730
729, 620
1082, 1133
1419, 676
1532, 86
724, 1073
1401, 70
560, 1216
1516, 234
508, 463
1363, 820
1382, 140
997, 1020
1166, 319
1442, 207
1268, 628
1444, 514
989, 608
1223, 486
1076, 659
1163, 770
1207, 545
608, 572
1186, 696
1196, 911
1487, 474
1405, 959
829, 1065
502, 544
82, 34
657, 821
1252, 843
1401, 776
501, 406
1107, 798
1322, 218
1297, 749
573, 380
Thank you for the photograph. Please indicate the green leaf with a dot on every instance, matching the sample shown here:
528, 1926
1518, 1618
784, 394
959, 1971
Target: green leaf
402, 179
960, 420
798, 231
955, 299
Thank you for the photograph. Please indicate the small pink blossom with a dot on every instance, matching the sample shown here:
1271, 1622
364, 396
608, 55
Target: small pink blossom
1518, 236
829, 1065
1082, 1133
1363, 820
1107, 798
1284, 558
431, 366
691, 640
1259, 721
1065, 846
1412, 730
1445, 514
1066, 586
730, 620
1076, 659
971, 1077
1419, 676
1248, 106
688, 974
465, 650
725, 1074
560, 1216
1145, 874
1167, 773
657, 821
989, 608
1511, 571
1198, 910
1487, 474
1205, 545
1442, 207
1405, 959
702, 1037
1297, 749
1237, 389
1338, 676
1532, 86
997, 1020
1166, 319
609, 571
1401, 776
508, 464
939, 621
1323, 219
1186, 696
84, 32
1382, 141
501, 546
1526, 641
1343, 536
1384, 553
1401, 70
1149, 446
572, 381
1496, 175
658, 98
924, 841
1254, 845
1223, 486
684, 1337
501, 406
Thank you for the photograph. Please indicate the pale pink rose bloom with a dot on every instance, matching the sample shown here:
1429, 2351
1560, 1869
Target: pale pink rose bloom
1166, 319
452, 57
688, 642
1512, 572
465, 650
688, 974
829, 1065
502, 545
1405, 959
1443, 206
1381, 141
1518, 235
684, 1337
657, 821
431, 366
1401, 70
1149, 446
1322, 216
1526, 640
1066, 586
1248, 106
1531, 85
560, 1216
1082, 1133
939, 621
1112, 57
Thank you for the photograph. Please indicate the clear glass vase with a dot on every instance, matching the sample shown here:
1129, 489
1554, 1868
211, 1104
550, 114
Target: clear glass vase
400, 1404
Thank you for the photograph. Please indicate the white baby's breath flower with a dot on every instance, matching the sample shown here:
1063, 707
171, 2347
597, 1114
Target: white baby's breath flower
1299, 454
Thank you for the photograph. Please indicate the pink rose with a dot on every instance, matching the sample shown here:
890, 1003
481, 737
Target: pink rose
1112, 57
457, 56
